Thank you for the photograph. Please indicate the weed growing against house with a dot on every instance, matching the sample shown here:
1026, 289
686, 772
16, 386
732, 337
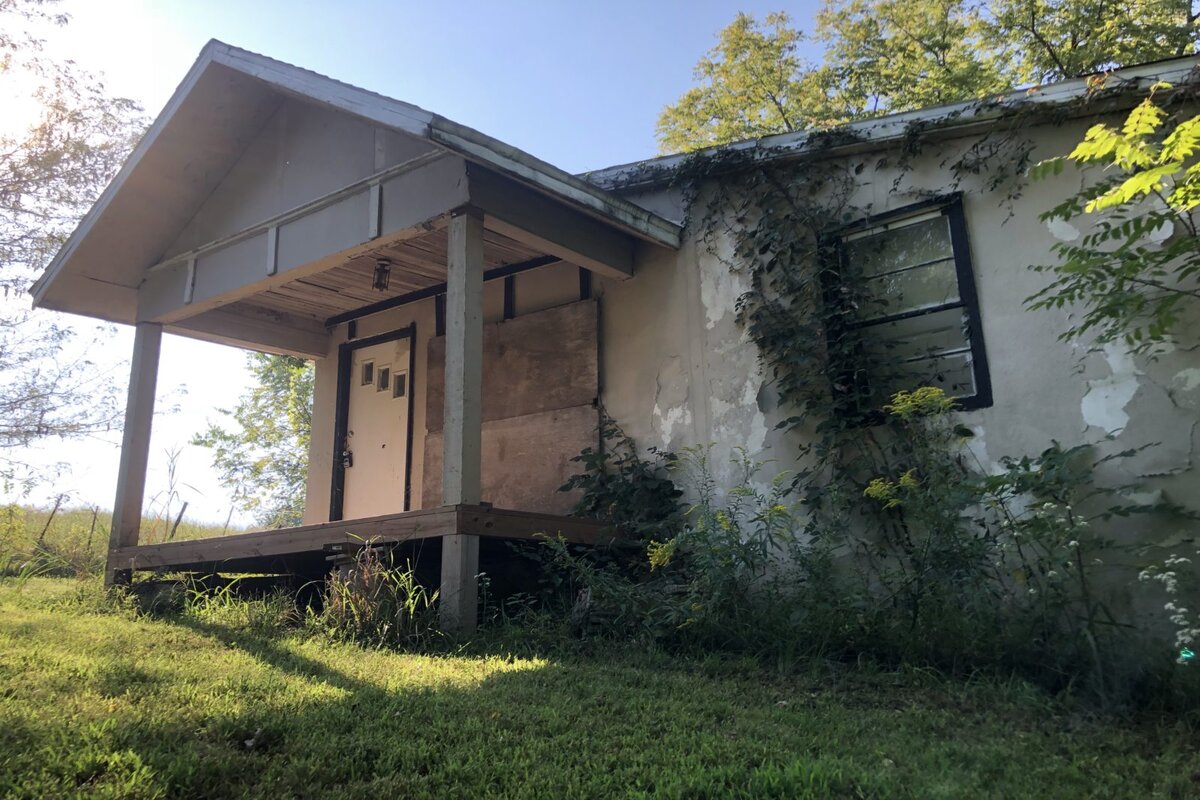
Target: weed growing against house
621, 487
944, 566
923, 558
377, 602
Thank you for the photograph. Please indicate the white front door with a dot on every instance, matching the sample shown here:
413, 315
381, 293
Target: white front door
377, 430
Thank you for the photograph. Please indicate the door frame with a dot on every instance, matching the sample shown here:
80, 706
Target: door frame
341, 424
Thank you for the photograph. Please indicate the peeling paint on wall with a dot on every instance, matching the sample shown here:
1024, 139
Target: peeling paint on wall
720, 287
1062, 230
1186, 380
1104, 403
977, 447
672, 412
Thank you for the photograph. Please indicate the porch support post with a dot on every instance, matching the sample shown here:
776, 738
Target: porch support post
463, 393
135, 447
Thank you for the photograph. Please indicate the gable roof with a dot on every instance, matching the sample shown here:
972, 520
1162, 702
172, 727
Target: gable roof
221, 104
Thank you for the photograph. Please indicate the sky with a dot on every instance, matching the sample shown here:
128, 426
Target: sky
578, 84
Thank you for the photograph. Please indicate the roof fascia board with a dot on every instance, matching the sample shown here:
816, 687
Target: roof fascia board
957, 117
307, 85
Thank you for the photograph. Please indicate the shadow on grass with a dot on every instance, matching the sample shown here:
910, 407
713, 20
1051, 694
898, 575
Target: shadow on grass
309, 720
505, 729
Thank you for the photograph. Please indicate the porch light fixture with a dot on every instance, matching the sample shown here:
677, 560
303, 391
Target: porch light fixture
383, 272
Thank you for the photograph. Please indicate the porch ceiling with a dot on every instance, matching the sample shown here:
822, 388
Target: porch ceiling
417, 264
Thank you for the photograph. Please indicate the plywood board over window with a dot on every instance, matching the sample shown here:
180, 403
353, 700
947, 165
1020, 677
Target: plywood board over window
540, 383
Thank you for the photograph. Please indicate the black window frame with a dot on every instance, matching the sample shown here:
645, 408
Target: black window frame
951, 207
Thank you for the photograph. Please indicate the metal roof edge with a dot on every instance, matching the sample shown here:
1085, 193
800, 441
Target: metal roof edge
879, 130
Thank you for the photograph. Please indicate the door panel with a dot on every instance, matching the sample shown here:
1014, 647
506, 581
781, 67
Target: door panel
377, 411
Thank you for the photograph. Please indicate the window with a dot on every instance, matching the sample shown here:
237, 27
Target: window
909, 316
384, 381
400, 384
368, 373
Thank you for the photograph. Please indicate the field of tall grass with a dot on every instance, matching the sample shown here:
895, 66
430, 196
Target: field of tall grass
73, 541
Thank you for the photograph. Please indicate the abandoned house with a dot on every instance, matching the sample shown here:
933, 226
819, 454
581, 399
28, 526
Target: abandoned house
470, 309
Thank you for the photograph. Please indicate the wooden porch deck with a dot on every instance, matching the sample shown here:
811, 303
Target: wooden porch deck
304, 549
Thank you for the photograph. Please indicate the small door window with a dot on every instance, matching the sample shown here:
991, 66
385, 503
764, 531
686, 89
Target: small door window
384, 380
368, 373
400, 384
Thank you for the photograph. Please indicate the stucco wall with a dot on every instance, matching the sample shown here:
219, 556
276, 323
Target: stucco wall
678, 370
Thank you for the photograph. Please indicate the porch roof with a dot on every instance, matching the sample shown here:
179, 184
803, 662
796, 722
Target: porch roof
118, 265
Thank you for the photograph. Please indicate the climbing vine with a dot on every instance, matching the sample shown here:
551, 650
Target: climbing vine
771, 215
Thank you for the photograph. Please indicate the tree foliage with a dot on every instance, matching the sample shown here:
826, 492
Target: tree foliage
753, 84
883, 56
264, 459
52, 168
1132, 255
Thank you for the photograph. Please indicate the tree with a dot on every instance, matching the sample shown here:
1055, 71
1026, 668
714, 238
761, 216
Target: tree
1135, 265
1053, 39
754, 84
885, 56
895, 55
52, 168
264, 461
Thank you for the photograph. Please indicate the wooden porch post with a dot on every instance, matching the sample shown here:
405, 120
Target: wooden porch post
135, 447
461, 438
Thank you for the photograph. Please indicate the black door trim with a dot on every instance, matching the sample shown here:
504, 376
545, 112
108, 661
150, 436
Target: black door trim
337, 485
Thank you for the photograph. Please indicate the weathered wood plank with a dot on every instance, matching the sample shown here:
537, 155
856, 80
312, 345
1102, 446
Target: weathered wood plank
525, 459
422, 524
259, 551
534, 363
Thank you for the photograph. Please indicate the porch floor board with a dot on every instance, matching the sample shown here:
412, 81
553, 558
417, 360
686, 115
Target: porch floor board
303, 549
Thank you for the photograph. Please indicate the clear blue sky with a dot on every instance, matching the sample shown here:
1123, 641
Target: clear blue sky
577, 84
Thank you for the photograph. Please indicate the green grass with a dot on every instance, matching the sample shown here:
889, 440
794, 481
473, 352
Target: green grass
202, 705
75, 540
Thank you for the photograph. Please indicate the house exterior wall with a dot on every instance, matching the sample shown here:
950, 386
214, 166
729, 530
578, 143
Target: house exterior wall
678, 370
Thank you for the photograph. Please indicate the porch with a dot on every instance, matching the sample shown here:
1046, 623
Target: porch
305, 550
276, 210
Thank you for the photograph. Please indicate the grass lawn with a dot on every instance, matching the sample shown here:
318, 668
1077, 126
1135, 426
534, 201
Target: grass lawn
111, 705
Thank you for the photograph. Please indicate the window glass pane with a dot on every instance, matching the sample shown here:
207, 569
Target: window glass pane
951, 373
916, 337
385, 379
887, 251
368, 373
921, 287
399, 384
